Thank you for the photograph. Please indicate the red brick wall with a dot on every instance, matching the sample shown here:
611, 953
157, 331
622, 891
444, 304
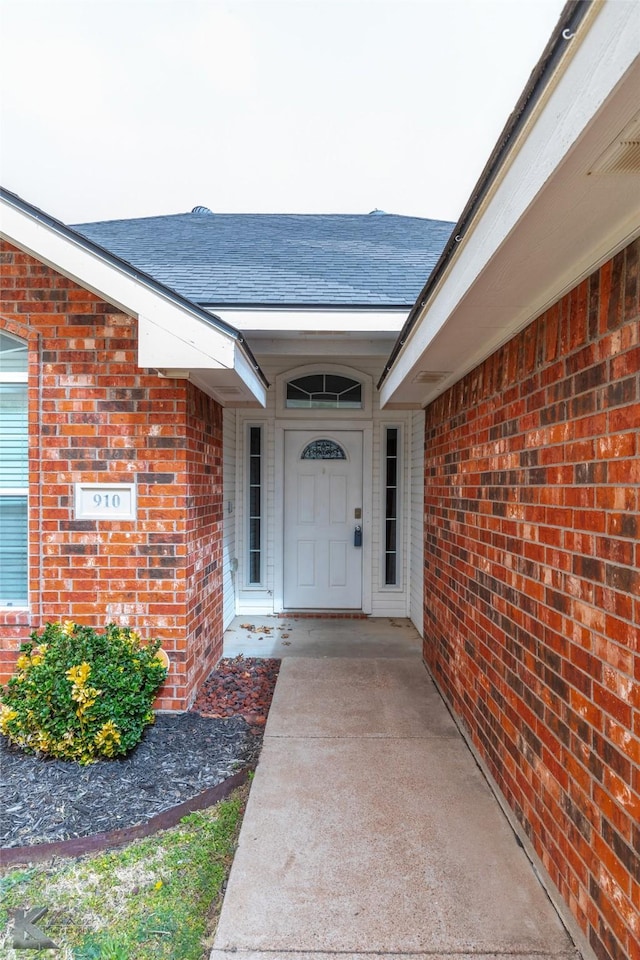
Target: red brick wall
532, 587
96, 416
203, 535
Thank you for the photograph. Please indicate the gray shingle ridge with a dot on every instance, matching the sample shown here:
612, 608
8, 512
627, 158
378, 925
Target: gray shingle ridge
262, 259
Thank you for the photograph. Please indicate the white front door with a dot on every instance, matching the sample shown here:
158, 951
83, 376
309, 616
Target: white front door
322, 508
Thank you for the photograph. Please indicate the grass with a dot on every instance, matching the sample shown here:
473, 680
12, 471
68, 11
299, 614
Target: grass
155, 899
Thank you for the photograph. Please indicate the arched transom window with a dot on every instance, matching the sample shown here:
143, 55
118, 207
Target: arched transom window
326, 391
323, 450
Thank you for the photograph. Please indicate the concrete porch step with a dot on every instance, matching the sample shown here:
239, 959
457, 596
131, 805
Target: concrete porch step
288, 636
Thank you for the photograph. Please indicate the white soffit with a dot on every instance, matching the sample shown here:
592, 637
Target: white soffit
549, 222
278, 322
330, 347
172, 338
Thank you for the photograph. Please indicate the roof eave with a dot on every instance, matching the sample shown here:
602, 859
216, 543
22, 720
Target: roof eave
539, 223
188, 330
572, 14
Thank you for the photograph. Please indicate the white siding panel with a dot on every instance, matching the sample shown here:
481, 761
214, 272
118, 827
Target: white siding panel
257, 599
417, 521
229, 513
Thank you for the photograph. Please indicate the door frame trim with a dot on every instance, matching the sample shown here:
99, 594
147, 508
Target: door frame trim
332, 426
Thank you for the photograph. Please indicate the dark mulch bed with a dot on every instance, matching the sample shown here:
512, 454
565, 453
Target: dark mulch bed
178, 757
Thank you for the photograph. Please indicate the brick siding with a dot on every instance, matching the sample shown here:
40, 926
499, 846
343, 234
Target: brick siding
95, 416
532, 587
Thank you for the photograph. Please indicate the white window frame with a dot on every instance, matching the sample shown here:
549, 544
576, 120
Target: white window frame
365, 412
352, 383
398, 586
18, 377
248, 583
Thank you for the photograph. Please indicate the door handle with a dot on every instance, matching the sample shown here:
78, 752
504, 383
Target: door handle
357, 536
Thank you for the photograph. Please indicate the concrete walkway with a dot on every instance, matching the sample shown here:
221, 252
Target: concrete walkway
370, 832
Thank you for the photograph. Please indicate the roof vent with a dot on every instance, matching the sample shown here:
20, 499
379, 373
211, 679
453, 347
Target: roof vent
199, 209
377, 213
623, 155
229, 391
430, 376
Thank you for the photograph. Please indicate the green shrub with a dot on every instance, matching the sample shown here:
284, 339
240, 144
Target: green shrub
79, 694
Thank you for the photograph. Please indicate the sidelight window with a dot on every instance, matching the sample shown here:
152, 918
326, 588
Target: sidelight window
391, 506
255, 505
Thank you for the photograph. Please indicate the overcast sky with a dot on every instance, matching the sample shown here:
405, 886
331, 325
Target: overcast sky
124, 108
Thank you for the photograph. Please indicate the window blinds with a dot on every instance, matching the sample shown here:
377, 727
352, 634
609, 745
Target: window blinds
14, 472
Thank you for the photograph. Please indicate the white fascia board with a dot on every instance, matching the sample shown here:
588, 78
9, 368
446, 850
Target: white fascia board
179, 356
250, 377
84, 266
165, 340
170, 335
606, 49
271, 320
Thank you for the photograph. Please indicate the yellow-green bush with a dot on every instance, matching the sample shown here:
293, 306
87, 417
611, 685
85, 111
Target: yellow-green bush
80, 694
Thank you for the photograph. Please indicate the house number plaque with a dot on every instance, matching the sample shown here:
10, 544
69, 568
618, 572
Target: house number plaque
105, 501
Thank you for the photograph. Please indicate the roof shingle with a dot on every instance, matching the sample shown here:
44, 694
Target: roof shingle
281, 259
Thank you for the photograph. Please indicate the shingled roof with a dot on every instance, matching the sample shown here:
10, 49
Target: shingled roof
214, 259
